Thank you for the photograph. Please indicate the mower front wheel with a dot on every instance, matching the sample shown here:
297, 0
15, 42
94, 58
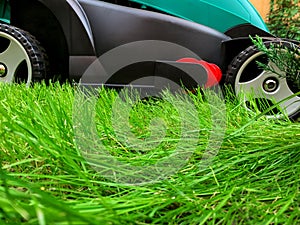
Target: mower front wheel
272, 92
22, 58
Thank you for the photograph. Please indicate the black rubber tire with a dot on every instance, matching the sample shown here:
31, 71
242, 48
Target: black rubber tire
36, 53
236, 64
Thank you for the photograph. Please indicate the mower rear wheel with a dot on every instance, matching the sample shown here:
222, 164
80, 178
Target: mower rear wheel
22, 58
272, 92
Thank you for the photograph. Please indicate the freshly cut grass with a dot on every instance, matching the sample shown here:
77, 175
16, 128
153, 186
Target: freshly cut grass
254, 178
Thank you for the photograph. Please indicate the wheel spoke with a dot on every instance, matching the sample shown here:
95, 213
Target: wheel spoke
12, 57
254, 86
284, 92
254, 89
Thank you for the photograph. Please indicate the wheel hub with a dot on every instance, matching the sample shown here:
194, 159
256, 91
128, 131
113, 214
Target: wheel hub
3, 70
270, 84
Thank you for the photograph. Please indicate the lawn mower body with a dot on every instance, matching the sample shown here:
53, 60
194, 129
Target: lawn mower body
75, 33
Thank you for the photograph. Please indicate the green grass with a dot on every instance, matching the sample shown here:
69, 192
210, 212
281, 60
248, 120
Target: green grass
254, 178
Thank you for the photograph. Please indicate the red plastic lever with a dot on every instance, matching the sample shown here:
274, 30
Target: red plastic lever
214, 73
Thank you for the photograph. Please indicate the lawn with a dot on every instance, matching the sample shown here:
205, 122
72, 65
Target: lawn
51, 175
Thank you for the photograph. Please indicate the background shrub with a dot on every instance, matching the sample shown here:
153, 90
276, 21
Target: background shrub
284, 18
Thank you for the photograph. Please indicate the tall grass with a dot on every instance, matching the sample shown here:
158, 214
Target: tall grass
254, 179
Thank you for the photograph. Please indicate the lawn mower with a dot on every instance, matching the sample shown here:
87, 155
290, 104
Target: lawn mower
49, 39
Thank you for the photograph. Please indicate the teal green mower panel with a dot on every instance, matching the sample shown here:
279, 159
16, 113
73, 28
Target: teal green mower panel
4, 11
218, 14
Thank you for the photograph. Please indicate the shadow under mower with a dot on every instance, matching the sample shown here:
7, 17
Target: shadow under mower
143, 44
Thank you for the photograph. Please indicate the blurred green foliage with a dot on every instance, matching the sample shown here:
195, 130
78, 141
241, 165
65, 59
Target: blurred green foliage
284, 18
